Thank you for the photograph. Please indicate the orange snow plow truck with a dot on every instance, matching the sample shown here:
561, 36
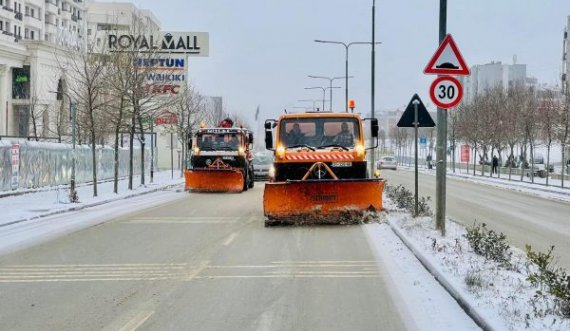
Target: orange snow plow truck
221, 160
320, 175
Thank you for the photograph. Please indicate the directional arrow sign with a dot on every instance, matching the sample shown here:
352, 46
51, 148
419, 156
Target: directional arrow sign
447, 60
424, 119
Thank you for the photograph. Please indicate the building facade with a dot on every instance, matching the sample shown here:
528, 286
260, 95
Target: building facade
488, 76
34, 36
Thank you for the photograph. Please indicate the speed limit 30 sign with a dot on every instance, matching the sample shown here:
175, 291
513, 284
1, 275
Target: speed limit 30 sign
446, 92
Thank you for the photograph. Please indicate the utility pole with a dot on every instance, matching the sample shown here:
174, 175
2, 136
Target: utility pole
373, 75
416, 124
441, 161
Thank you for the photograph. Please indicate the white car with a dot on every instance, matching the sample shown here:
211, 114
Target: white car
387, 162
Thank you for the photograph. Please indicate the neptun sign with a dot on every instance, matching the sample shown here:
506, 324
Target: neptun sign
190, 43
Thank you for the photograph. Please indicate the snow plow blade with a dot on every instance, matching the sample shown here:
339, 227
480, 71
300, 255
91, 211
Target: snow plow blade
303, 202
219, 180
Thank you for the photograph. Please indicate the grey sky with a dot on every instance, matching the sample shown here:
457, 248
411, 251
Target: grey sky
261, 51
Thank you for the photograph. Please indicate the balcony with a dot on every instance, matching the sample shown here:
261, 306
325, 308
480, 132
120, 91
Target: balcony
51, 8
74, 18
51, 28
66, 15
8, 9
19, 16
33, 22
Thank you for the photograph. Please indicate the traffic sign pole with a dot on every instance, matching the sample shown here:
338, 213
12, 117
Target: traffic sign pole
441, 162
416, 124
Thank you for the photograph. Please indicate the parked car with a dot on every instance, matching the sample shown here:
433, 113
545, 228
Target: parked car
262, 163
387, 162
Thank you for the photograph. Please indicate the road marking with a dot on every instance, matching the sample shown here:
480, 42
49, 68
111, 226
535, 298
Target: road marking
324, 262
230, 238
137, 321
154, 221
287, 276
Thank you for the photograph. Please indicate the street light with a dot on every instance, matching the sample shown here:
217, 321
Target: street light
309, 100
330, 79
324, 91
72, 192
346, 46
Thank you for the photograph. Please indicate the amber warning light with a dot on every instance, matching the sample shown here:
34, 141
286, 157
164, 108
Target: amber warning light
351, 104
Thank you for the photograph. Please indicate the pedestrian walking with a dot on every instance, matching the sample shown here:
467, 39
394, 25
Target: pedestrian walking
428, 161
495, 164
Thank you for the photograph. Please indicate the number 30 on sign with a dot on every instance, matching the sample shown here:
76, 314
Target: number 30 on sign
446, 92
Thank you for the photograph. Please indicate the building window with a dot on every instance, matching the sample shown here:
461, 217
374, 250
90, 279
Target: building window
26, 33
27, 11
32, 34
88, 32
32, 12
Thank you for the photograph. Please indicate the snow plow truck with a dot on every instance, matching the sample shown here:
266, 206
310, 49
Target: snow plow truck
221, 159
320, 175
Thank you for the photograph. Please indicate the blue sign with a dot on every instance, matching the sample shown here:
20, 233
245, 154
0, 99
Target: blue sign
423, 140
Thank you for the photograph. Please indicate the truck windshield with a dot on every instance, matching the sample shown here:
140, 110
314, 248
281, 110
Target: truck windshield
319, 132
212, 142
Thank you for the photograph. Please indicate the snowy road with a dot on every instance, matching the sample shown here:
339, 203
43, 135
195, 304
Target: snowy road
524, 218
206, 262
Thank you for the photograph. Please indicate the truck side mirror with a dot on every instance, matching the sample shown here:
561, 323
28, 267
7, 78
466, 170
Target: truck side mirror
251, 137
267, 125
268, 139
374, 127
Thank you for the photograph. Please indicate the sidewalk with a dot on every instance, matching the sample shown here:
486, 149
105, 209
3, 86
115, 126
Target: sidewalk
538, 188
45, 202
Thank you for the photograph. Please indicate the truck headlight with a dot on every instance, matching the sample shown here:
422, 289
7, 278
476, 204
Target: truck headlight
280, 151
271, 172
241, 150
196, 150
359, 150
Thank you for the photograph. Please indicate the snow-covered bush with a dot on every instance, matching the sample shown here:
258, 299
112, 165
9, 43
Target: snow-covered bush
554, 280
404, 199
489, 244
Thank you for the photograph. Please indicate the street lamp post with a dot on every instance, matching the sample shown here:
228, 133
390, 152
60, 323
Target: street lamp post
346, 46
330, 79
72, 114
324, 91
309, 100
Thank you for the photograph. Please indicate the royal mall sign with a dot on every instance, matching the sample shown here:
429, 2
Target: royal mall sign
189, 43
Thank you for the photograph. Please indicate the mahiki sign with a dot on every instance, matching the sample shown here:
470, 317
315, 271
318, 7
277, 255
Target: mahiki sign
447, 60
164, 75
465, 153
190, 43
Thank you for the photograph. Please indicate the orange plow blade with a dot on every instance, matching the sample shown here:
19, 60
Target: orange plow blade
321, 202
214, 180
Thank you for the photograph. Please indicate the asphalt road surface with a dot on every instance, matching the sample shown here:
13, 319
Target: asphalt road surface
205, 262
523, 218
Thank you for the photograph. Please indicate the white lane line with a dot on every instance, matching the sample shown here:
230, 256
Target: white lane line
324, 262
98, 265
290, 276
230, 238
198, 270
137, 321
179, 222
53, 280
323, 272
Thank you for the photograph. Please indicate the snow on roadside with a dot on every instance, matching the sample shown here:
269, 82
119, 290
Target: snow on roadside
543, 191
421, 301
503, 297
36, 204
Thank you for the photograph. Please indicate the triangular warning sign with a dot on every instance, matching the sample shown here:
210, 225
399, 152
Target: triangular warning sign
447, 60
424, 119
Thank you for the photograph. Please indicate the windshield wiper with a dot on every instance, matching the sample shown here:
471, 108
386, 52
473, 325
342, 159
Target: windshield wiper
333, 145
302, 145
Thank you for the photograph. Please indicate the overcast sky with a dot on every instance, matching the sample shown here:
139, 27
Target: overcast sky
261, 51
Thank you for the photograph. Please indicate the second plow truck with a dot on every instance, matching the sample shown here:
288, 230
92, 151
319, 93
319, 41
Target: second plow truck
320, 171
221, 159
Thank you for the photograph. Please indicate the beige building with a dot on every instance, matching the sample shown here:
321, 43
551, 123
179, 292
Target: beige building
34, 34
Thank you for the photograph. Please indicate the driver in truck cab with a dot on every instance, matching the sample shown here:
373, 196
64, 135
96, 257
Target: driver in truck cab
344, 138
295, 136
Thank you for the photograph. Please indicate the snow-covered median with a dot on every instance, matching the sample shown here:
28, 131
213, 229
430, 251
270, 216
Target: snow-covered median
499, 293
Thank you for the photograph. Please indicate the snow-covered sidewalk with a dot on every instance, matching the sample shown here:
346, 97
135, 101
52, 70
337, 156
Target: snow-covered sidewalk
538, 189
45, 202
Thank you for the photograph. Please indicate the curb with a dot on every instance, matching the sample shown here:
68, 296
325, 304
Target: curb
94, 204
469, 309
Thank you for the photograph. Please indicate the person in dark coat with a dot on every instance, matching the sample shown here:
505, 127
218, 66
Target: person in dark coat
495, 164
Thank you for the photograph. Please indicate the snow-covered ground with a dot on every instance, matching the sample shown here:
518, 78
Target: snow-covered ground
501, 297
45, 202
550, 192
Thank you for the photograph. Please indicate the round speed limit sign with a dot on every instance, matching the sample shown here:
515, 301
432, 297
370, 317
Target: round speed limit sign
446, 92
